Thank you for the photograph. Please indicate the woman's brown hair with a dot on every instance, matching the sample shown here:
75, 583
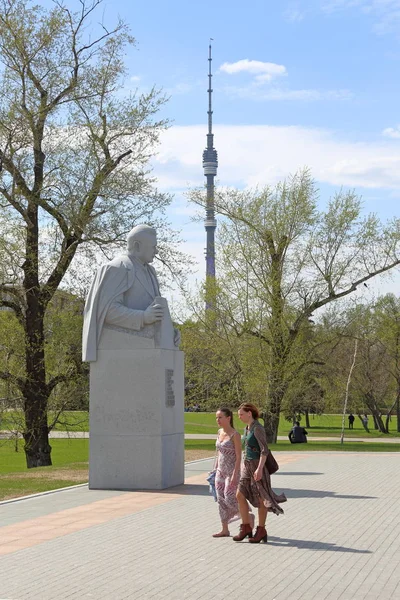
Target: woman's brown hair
248, 407
228, 413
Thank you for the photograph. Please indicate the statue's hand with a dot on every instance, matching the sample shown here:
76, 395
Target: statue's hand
153, 313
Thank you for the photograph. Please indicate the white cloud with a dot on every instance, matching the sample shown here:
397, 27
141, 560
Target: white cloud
293, 14
386, 13
392, 132
256, 93
263, 71
382, 6
260, 154
333, 5
135, 78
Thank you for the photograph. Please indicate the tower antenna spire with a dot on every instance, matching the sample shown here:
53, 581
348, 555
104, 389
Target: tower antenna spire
210, 164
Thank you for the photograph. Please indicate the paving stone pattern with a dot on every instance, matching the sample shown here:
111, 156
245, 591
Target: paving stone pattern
339, 539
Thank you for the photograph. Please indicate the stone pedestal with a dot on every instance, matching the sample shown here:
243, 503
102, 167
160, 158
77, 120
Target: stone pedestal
136, 413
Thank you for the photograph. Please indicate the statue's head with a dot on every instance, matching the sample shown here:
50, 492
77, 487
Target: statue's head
142, 243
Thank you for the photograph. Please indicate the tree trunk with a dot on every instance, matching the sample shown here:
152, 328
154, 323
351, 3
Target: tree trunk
398, 411
277, 388
388, 421
307, 415
37, 447
36, 435
380, 424
389, 412
271, 425
276, 394
376, 415
277, 385
363, 424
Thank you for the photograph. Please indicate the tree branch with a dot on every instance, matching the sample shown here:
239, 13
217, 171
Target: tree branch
18, 178
352, 288
18, 381
52, 211
17, 310
61, 378
258, 335
18, 207
92, 195
70, 246
319, 363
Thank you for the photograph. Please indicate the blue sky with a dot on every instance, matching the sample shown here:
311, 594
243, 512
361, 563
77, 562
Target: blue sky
296, 83
340, 61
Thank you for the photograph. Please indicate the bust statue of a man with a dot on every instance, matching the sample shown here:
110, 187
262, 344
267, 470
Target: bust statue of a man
123, 291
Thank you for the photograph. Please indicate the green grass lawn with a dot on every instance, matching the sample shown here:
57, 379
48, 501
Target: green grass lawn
64, 453
320, 425
70, 467
73, 420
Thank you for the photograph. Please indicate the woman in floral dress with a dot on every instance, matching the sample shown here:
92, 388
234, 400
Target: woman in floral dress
255, 480
228, 469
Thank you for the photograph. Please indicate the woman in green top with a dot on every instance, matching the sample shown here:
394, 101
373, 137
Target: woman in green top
255, 481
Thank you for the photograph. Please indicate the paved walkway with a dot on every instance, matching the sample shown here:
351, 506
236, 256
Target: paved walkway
339, 539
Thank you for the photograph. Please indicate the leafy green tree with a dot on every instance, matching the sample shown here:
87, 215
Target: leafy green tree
387, 318
372, 382
63, 342
281, 259
63, 334
213, 373
11, 360
304, 396
74, 155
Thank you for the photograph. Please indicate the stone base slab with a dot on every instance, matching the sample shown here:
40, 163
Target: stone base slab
136, 416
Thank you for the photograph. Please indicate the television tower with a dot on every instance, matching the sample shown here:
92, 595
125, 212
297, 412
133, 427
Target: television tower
210, 164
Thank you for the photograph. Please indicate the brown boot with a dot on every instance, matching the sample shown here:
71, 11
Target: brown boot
261, 535
245, 530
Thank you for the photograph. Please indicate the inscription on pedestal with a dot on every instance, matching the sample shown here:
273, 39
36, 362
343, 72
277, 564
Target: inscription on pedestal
169, 387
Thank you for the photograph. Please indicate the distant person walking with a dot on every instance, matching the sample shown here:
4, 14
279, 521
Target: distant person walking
365, 422
351, 420
298, 435
229, 451
255, 481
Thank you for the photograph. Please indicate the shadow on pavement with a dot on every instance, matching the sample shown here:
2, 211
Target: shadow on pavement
299, 473
296, 493
192, 489
188, 489
312, 545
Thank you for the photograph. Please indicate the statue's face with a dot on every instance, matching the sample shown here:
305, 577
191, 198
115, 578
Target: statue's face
147, 248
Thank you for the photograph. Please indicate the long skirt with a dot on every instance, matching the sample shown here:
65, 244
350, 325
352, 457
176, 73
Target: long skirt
226, 497
259, 491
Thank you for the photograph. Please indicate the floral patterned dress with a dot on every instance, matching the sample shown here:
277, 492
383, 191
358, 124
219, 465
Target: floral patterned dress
257, 492
226, 493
